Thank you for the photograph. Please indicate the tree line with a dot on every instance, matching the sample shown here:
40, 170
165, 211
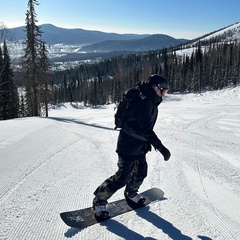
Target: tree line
208, 67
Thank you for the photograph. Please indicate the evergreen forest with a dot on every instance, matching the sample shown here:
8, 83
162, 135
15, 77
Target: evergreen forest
208, 68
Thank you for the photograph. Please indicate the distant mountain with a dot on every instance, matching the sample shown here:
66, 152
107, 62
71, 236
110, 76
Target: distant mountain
71, 46
53, 35
151, 42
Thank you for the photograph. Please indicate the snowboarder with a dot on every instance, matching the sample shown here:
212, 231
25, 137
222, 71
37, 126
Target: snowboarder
134, 141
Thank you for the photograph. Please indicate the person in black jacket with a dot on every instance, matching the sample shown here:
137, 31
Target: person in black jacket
134, 141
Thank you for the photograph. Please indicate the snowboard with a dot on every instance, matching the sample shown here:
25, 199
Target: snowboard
85, 217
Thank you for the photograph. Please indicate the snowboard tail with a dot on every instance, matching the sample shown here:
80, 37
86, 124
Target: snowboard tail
85, 217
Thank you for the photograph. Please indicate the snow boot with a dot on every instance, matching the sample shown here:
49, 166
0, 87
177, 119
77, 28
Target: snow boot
134, 199
100, 209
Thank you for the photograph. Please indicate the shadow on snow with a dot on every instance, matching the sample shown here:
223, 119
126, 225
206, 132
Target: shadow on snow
80, 122
124, 232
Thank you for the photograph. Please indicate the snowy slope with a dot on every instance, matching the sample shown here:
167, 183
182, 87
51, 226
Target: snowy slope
229, 33
54, 165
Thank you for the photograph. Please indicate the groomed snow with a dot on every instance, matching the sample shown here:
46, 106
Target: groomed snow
51, 165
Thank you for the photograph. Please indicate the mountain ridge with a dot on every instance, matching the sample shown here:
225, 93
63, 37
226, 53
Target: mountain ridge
97, 41
68, 55
152, 42
54, 35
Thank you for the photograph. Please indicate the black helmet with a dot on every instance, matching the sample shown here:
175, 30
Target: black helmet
157, 80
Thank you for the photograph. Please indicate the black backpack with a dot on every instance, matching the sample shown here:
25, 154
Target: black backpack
126, 107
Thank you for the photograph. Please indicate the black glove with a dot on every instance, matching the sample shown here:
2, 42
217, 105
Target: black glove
165, 152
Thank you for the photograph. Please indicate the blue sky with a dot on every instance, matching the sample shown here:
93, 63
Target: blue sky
177, 18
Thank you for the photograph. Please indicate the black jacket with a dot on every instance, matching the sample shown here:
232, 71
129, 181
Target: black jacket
135, 138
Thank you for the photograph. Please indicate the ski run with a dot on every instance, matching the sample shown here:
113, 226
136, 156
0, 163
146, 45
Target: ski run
51, 165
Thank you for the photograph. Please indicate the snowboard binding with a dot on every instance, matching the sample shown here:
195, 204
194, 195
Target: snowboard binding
100, 210
135, 201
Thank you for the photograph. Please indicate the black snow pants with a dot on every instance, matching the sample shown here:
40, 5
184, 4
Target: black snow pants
131, 173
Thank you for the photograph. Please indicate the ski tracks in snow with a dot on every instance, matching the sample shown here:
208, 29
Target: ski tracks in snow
68, 179
209, 179
30, 184
55, 164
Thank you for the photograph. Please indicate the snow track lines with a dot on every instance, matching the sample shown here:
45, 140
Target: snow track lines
52, 165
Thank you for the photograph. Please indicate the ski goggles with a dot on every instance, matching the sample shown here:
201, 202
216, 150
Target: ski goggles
160, 91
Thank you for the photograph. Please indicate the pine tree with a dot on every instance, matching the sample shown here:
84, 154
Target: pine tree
22, 112
44, 76
31, 60
9, 100
1, 83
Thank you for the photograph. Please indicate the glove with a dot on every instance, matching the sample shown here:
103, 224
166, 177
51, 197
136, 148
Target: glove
165, 152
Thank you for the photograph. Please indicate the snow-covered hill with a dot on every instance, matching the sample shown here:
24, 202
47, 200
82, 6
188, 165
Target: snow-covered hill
229, 33
53, 165
224, 35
